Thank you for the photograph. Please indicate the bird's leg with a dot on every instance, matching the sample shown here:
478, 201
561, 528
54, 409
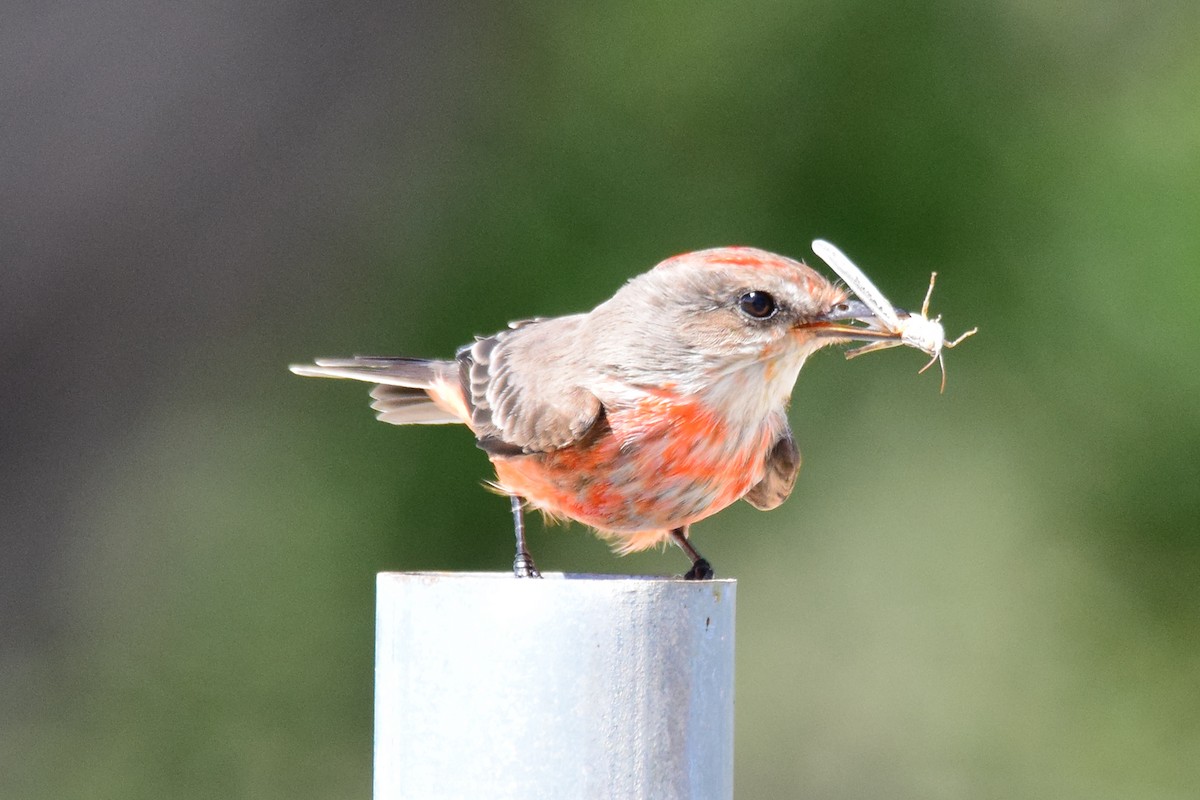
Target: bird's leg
523, 566
701, 570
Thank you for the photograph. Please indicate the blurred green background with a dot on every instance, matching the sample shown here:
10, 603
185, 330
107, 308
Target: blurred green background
990, 593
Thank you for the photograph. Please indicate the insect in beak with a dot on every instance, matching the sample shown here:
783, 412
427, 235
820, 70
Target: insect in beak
911, 330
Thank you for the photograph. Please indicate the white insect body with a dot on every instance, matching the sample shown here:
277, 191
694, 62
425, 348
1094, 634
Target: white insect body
914, 330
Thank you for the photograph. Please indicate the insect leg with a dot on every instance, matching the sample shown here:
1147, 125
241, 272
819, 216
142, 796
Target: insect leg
928, 294
870, 348
971, 332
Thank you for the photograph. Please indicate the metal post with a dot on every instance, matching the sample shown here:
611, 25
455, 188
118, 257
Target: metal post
588, 686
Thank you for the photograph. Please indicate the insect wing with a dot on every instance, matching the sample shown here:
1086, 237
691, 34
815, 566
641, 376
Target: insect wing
858, 282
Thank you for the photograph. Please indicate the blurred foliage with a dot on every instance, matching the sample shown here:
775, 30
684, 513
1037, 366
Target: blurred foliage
990, 593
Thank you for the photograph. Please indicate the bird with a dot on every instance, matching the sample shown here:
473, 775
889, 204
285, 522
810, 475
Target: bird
656, 409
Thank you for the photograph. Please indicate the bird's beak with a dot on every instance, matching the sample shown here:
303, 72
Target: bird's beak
828, 325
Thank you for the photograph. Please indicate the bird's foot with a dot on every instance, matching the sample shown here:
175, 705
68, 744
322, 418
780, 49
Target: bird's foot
523, 566
701, 571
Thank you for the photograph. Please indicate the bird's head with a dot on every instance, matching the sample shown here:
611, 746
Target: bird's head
715, 312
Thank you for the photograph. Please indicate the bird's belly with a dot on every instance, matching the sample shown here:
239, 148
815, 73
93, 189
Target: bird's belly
648, 474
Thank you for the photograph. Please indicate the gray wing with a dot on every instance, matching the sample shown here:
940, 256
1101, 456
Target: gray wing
783, 464
524, 387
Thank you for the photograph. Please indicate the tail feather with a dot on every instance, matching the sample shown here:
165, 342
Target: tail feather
401, 405
409, 391
417, 373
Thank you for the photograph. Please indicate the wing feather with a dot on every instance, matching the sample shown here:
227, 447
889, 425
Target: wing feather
783, 465
524, 388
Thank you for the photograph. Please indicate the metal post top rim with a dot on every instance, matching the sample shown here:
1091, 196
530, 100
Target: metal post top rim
508, 577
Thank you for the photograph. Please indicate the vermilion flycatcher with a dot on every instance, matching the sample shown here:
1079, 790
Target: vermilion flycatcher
656, 409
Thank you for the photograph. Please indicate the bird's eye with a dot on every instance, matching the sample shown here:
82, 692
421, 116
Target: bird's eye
759, 305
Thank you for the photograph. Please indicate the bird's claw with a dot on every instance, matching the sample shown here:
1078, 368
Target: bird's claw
523, 566
701, 571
